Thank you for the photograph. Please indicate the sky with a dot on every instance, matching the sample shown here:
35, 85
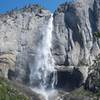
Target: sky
7, 5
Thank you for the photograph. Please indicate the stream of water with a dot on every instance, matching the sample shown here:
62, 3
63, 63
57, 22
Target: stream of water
44, 74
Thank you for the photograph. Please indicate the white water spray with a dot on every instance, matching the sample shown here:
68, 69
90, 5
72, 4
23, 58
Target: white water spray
44, 62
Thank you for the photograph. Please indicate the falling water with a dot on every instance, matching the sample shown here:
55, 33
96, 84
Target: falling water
44, 73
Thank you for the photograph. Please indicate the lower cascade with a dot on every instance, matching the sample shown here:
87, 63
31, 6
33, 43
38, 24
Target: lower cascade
43, 75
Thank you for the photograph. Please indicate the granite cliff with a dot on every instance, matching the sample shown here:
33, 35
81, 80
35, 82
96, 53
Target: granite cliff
74, 43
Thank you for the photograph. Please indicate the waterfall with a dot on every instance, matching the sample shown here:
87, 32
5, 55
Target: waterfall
43, 73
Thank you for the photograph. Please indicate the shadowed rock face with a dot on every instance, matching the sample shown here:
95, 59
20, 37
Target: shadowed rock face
68, 81
74, 43
74, 25
7, 62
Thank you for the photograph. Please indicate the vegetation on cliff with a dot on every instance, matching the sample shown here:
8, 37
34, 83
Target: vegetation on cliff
93, 80
97, 34
91, 89
9, 92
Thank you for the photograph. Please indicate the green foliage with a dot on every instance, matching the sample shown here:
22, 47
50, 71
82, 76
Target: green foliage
97, 34
96, 64
95, 74
81, 92
40, 7
10, 93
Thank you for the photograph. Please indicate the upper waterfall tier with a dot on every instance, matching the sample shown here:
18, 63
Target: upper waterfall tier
43, 65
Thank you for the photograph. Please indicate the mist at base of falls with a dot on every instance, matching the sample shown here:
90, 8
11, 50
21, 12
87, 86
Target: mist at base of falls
50, 94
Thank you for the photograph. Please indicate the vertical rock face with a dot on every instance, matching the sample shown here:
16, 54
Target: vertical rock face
20, 33
74, 42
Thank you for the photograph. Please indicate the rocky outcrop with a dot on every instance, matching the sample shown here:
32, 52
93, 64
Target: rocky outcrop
74, 42
93, 81
20, 32
78, 94
7, 62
